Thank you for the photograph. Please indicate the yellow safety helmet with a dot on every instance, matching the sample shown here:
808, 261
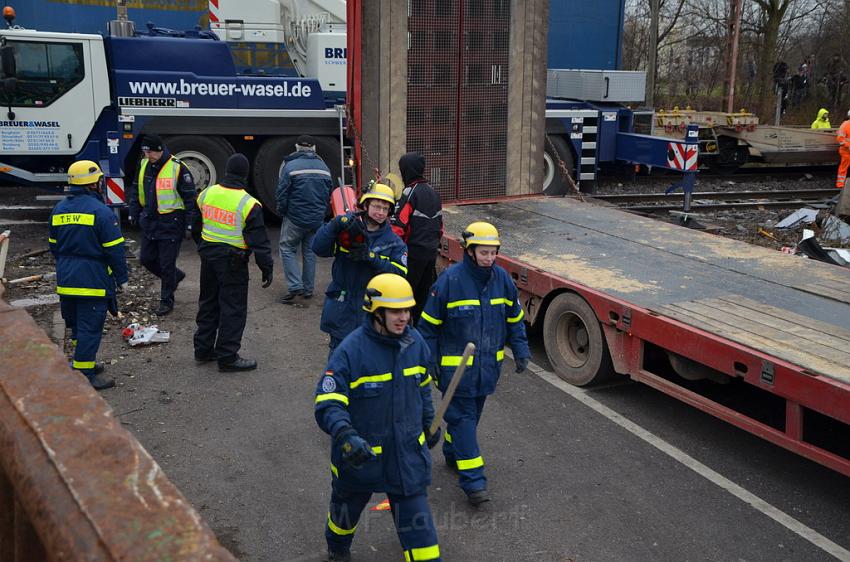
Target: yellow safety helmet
482, 234
379, 191
84, 172
388, 290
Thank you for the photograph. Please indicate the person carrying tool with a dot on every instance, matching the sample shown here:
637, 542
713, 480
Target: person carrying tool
822, 121
362, 245
87, 243
164, 194
418, 220
228, 227
374, 400
473, 301
843, 137
303, 193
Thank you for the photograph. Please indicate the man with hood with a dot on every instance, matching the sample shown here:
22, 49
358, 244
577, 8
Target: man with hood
362, 245
303, 195
418, 221
374, 400
822, 121
228, 227
162, 203
473, 301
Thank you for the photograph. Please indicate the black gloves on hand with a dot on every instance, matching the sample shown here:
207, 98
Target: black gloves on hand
355, 450
360, 253
267, 276
521, 364
432, 440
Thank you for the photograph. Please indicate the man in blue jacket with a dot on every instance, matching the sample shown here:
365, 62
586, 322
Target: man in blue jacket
473, 301
362, 245
86, 241
374, 400
161, 202
303, 195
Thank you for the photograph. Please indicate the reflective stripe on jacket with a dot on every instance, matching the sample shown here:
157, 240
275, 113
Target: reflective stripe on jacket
167, 198
224, 211
379, 386
88, 245
467, 305
843, 135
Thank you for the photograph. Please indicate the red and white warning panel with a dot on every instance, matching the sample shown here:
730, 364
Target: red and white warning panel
115, 191
682, 156
214, 13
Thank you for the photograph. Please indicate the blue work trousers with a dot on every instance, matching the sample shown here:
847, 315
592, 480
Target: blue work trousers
411, 515
461, 442
299, 277
85, 318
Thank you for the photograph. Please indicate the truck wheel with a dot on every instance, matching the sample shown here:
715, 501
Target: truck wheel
205, 157
574, 341
554, 182
269, 162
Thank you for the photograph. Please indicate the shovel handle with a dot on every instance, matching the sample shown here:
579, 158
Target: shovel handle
450, 391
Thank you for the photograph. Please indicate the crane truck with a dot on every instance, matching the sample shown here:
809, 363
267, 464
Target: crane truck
70, 96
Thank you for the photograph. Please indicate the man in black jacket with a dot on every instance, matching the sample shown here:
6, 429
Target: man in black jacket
229, 226
418, 221
160, 200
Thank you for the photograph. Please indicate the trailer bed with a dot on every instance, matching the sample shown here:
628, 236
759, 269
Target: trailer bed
790, 308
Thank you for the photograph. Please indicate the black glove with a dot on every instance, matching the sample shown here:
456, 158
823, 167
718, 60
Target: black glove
355, 450
188, 233
432, 440
360, 252
268, 275
343, 222
521, 364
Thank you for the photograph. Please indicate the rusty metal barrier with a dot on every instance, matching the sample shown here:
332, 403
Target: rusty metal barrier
74, 484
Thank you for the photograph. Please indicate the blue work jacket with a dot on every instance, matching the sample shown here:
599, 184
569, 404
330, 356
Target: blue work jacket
343, 309
474, 304
88, 246
379, 386
304, 189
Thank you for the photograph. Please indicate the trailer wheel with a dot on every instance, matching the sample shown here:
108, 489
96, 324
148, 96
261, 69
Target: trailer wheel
574, 341
269, 162
554, 182
205, 157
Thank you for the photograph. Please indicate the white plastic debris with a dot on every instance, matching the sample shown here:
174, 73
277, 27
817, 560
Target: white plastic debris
800, 216
136, 334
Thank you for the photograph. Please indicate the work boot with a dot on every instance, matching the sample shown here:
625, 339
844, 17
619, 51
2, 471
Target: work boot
101, 383
336, 556
289, 298
164, 309
205, 357
240, 364
99, 368
478, 497
308, 295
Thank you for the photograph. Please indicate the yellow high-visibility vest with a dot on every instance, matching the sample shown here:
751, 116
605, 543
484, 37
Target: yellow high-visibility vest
168, 199
224, 211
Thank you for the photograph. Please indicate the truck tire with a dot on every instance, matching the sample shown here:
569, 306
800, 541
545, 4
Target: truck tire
574, 341
554, 182
269, 162
205, 157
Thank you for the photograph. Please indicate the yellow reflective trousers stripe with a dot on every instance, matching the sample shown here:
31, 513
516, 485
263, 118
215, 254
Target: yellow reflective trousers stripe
83, 364
469, 464
423, 553
422, 438
80, 292
339, 530
332, 396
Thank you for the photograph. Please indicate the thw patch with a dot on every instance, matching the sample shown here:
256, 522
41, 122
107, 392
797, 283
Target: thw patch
328, 384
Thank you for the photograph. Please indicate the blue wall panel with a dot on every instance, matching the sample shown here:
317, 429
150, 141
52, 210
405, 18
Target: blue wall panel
585, 33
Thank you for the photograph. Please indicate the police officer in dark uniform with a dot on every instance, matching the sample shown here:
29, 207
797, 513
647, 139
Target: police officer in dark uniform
228, 227
161, 199
88, 246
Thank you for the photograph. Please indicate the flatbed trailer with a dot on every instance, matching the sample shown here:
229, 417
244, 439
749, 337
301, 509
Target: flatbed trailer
752, 336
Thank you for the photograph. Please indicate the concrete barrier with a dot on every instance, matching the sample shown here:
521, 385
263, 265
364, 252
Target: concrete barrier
74, 484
